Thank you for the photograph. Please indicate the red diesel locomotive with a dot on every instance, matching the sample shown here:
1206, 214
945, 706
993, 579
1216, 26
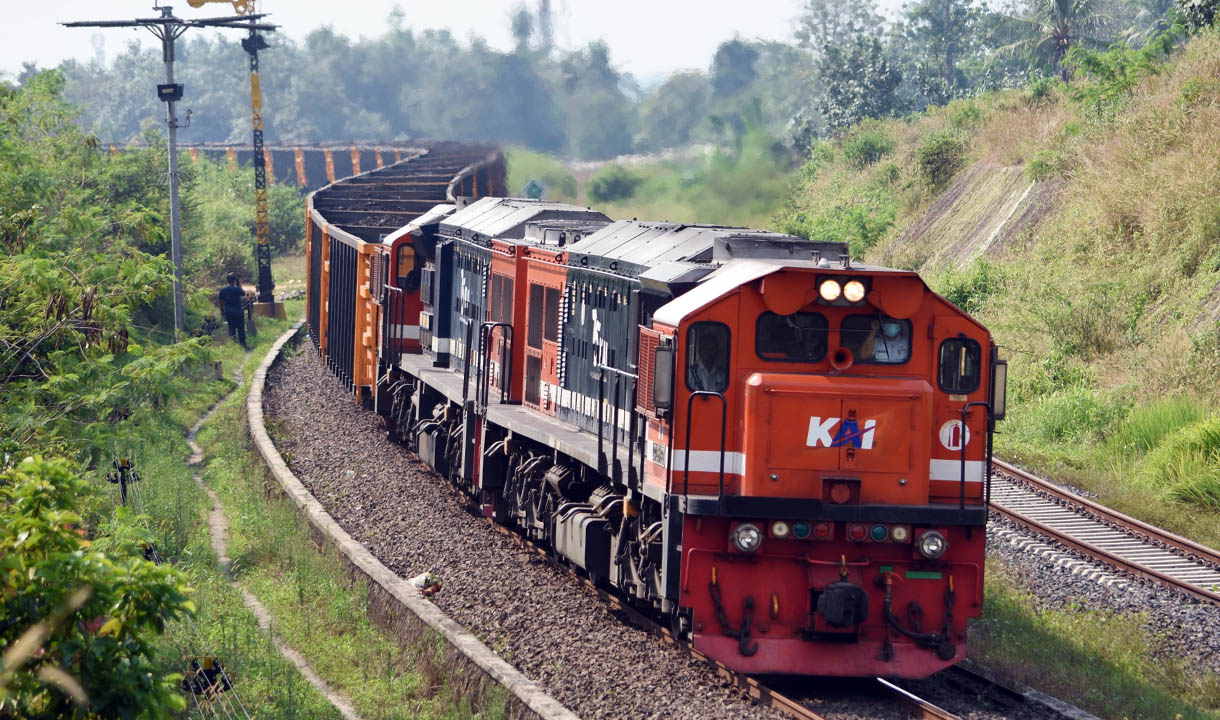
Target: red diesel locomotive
783, 452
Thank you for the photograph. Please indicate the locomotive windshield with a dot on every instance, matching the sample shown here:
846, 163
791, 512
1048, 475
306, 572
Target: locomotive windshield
800, 337
877, 339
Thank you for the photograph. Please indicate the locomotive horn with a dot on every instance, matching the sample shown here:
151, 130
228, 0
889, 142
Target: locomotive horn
841, 359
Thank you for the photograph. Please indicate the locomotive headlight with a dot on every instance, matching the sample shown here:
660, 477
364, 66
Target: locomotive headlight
780, 529
932, 544
747, 537
830, 290
853, 291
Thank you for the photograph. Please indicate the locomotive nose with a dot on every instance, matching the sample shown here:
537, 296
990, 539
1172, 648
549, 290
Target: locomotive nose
837, 426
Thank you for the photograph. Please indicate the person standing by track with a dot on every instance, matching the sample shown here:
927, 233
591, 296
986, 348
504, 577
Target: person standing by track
231, 301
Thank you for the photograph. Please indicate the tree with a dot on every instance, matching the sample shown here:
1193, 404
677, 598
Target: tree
670, 113
836, 22
599, 115
1049, 30
76, 280
860, 82
1200, 13
941, 33
522, 27
79, 620
733, 67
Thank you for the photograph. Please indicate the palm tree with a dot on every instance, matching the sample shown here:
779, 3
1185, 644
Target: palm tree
1049, 30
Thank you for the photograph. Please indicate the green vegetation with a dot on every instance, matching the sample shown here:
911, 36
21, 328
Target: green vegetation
92, 627
314, 607
1096, 660
80, 618
613, 183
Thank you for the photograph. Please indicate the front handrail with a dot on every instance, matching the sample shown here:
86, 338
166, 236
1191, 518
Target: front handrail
724, 419
987, 466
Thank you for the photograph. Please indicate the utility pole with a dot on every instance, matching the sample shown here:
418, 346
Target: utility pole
171, 94
168, 28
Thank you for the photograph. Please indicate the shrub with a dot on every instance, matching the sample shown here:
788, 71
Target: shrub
613, 183
970, 287
1044, 90
79, 620
867, 147
939, 158
1047, 164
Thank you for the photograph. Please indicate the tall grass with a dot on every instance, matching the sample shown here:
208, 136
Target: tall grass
1105, 663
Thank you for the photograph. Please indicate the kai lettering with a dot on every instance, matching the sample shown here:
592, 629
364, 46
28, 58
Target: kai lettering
848, 433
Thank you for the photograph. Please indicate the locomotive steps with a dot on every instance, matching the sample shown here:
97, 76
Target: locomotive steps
394, 603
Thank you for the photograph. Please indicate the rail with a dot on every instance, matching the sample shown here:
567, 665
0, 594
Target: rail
1111, 556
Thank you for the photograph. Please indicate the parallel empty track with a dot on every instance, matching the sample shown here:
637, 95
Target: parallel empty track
1106, 535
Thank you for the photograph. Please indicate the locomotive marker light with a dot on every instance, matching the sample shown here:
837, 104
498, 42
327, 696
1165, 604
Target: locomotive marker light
932, 544
900, 533
780, 529
747, 537
830, 290
800, 529
854, 291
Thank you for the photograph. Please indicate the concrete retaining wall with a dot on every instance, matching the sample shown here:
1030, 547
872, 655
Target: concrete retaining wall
393, 603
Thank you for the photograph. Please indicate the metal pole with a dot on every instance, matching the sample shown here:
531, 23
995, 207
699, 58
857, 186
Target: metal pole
175, 222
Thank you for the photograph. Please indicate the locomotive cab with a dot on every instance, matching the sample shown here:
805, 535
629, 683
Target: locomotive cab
828, 432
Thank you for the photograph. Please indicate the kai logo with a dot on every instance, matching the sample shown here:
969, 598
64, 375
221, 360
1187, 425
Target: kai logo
848, 433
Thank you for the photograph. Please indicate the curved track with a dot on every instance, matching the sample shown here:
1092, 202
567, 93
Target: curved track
1106, 535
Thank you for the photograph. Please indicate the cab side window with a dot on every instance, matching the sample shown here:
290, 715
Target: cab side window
707, 357
958, 366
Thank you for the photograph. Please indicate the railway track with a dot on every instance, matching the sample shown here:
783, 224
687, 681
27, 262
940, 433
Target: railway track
1106, 535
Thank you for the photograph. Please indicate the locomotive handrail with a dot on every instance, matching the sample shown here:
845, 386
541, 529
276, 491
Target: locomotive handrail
600, 371
987, 466
390, 320
506, 362
466, 361
724, 420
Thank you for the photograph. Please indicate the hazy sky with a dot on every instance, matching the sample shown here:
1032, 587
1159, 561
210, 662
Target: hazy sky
646, 37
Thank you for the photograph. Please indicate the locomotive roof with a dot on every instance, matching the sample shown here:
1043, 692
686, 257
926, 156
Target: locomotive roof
507, 217
630, 247
736, 273
668, 257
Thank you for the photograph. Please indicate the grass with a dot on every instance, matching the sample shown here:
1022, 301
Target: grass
1105, 663
314, 608
175, 509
